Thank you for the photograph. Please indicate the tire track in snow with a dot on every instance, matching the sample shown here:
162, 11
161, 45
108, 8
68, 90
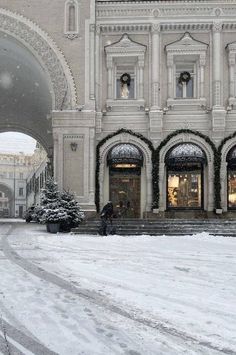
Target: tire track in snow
101, 301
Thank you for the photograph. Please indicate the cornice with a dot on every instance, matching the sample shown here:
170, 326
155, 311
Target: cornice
165, 27
164, 9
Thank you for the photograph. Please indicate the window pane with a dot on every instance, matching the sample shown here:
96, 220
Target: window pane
123, 91
184, 189
232, 188
179, 88
190, 88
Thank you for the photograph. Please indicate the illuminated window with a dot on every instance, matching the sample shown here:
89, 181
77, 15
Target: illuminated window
185, 176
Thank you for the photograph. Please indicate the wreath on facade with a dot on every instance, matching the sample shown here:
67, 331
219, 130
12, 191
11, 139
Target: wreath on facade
125, 79
184, 77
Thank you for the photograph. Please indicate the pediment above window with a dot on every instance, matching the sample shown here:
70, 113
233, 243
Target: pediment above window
186, 45
125, 45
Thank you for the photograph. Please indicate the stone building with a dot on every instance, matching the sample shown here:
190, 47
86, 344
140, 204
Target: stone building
14, 169
134, 101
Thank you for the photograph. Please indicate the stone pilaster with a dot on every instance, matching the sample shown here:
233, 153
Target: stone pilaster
218, 112
155, 34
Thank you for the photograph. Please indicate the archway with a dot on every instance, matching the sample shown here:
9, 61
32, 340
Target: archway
124, 136
203, 142
185, 176
34, 79
125, 162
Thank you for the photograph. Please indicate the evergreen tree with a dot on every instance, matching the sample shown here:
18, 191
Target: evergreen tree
59, 206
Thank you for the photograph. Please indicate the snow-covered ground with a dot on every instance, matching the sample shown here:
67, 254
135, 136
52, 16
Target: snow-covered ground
116, 295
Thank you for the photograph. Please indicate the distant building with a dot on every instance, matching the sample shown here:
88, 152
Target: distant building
37, 176
14, 169
21, 178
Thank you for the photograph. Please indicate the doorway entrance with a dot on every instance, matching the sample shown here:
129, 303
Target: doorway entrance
125, 162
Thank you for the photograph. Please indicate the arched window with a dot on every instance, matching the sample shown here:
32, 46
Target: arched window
231, 167
185, 176
72, 19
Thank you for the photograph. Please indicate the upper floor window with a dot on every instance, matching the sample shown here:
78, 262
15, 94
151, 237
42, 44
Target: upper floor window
72, 18
125, 68
186, 59
185, 78
21, 191
125, 83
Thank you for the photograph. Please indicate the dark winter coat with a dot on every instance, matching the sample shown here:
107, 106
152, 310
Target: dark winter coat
107, 211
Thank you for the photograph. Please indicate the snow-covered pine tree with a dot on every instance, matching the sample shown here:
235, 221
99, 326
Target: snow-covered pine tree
73, 209
52, 210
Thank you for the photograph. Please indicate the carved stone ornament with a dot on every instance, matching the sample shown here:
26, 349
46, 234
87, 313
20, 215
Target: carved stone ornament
217, 11
217, 26
155, 28
125, 44
187, 45
43, 47
71, 36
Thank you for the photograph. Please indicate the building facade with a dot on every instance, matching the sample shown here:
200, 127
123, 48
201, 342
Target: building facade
14, 169
134, 101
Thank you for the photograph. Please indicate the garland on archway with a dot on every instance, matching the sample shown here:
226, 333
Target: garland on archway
233, 135
100, 144
156, 160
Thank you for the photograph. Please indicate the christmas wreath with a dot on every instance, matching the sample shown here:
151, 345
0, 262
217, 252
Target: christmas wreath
125, 79
184, 77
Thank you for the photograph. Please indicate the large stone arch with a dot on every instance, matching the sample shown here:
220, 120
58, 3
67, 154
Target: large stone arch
47, 53
188, 136
102, 172
224, 148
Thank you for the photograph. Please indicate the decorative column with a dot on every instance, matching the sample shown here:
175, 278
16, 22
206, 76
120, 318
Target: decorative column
140, 77
155, 32
202, 74
109, 78
91, 165
155, 114
91, 57
97, 67
218, 111
217, 63
231, 75
170, 63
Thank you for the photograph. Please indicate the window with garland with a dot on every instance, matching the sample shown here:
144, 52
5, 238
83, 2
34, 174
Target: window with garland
125, 83
185, 77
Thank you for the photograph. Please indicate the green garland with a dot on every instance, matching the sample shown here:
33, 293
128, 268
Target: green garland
156, 160
100, 144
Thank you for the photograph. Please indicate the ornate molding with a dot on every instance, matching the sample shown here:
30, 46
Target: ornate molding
167, 9
71, 36
217, 26
43, 47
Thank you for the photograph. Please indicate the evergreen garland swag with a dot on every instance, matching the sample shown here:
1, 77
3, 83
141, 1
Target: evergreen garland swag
156, 159
100, 144
217, 163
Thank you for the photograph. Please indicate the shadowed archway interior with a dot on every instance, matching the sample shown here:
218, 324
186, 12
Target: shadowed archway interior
25, 93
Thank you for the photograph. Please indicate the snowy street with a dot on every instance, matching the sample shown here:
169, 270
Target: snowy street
70, 294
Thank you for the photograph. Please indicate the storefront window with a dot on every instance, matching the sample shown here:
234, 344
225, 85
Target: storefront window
184, 189
185, 163
232, 188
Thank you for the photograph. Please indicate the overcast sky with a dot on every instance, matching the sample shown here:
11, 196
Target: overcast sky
13, 142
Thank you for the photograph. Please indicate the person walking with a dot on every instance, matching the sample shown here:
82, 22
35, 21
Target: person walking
106, 215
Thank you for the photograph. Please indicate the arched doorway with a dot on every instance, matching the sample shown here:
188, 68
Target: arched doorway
125, 162
185, 179
231, 178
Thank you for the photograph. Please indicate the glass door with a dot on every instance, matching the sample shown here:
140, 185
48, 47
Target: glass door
125, 194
